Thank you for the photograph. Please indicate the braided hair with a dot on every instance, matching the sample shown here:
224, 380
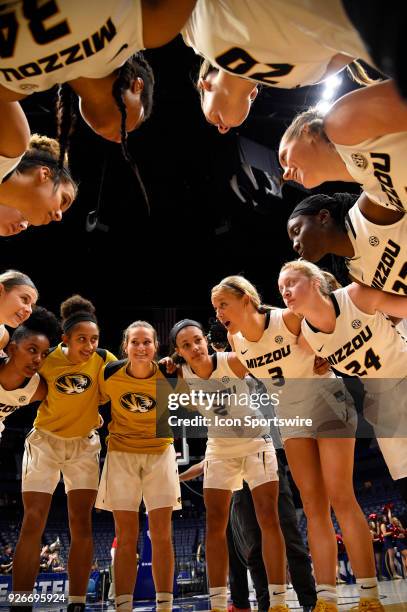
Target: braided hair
136, 66
338, 206
66, 119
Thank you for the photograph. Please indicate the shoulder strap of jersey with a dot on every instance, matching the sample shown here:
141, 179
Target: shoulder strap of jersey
102, 353
349, 225
112, 367
52, 349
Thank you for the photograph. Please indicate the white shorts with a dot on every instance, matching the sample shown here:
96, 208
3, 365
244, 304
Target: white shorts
331, 413
394, 451
229, 474
127, 478
47, 455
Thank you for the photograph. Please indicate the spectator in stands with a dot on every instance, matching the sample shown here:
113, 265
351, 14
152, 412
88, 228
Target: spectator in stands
55, 563
377, 540
400, 539
386, 530
44, 558
6, 560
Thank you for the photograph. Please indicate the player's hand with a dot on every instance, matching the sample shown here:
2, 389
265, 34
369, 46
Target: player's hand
169, 364
321, 366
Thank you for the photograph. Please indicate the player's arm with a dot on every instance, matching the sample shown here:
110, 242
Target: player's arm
164, 19
366, 113
370, 300
236, 365
14, 130
193, 472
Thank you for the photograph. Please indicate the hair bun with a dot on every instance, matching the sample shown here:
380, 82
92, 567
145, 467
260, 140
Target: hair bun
45, 144
74, 304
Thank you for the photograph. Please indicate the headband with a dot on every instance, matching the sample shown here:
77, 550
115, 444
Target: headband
77, 318
177, 328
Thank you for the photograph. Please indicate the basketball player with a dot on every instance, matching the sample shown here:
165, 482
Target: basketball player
233, 454
267, 42
320, 455
64, 440
361, 139
33, 189
18, 294
20, 383
374, 253
347, 327
140, 464
93, 47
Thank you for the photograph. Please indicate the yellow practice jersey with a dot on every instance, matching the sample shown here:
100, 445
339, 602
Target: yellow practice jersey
139, 409
71, 407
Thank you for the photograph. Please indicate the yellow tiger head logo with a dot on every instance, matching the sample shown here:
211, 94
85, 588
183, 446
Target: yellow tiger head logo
73, 384
137, 402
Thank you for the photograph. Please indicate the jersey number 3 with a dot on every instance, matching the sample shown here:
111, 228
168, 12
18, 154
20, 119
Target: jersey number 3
36, 17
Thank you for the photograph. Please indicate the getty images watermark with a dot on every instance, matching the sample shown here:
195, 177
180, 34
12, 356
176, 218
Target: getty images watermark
220, 406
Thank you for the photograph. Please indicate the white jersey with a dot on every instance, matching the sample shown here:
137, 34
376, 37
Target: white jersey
231, 405
7, 165
59, 41
14, 399
364, 345
380, 258
273, 42
378, 165
278, 361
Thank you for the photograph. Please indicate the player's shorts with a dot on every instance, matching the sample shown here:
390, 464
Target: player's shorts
228, 474
46, 456
394, 451
328, 413
127, 478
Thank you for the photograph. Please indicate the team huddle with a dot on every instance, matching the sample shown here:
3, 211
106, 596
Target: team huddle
327, 329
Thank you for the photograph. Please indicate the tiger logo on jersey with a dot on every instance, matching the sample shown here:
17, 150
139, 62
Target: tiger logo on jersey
73, 384
137, 402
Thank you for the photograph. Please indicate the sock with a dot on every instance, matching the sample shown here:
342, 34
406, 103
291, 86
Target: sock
124, 603
77, 599
218, 597
163, 601
327, 592
277, 594
368, 588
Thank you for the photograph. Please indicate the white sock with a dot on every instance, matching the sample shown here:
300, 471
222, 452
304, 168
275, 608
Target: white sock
76, 599
163, 601
218, 597
327, 592
124, 603
277, 594
368, 588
